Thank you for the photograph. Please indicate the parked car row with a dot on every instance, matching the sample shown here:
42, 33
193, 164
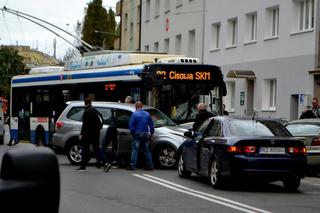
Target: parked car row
224, 148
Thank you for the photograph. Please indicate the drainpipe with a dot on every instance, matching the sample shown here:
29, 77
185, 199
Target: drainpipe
140, 19
203, 29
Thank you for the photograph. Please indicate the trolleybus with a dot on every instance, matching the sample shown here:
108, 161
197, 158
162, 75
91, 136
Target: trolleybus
172, 83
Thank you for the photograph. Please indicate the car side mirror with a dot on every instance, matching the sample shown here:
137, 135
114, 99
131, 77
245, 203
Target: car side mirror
29, 175
188, 134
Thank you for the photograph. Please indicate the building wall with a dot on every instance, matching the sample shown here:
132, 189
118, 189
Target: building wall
173, 18
287, 57
130, 25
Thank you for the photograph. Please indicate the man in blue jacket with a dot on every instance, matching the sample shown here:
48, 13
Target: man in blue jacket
142, 128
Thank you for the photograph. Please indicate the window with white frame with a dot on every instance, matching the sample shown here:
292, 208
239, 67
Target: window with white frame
191, 43
138, 14
179, 3
166, 45
131, 30
272, 22
156, 47
167, 6
251, 23
147, 17
232, 32
229, 99
215, 35
157, 8
269, 94
146, 48
125, 24
304, 14
178, 44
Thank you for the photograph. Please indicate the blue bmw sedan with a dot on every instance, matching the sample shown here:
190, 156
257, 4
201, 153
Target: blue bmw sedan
226, 148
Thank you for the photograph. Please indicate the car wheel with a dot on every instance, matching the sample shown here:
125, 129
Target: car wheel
291, 183
215, 175
182, 172
165, 157
74, 153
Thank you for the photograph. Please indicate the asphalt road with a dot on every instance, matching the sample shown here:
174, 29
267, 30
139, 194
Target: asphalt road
119, 190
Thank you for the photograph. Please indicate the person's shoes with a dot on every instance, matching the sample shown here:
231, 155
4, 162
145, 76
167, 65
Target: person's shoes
131, 168
107, 167
98, 165
80, 169
149, 168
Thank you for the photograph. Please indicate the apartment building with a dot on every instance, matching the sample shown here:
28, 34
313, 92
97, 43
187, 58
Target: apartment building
268, 51
174, 26
129, 12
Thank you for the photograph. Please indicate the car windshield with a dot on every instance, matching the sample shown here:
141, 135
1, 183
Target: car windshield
249, 128
159, 119
276, 127
303, 129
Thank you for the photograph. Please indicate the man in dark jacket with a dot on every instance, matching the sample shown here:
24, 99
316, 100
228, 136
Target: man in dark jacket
202, 115
90, 134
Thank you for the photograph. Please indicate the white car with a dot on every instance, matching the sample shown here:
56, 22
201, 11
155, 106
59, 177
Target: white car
166, 141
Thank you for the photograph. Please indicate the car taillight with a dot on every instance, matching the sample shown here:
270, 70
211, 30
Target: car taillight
59, 124
242, 149
315, 142
297, 150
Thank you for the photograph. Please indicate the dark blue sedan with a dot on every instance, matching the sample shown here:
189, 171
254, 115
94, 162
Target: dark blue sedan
226, 148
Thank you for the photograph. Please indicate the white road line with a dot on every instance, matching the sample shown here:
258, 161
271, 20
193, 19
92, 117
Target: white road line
209, 197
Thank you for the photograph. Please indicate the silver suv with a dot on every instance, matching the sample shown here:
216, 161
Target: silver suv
166, 141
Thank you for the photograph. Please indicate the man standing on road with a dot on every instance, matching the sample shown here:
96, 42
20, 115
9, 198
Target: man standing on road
92, 122
315, 107
142, 128
202, 115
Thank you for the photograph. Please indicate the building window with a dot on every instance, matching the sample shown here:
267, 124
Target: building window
251, 22
167, 6
191, 43
269, 94
131, 30
125, 21
166, 45
147, 18
232, 32
215, 35
138, 14
272, 22
304, 14
157, 9
156, 47
146, 48
229, 100
179, 3
178, 44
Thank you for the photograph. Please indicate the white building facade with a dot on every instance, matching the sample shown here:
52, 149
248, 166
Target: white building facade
268, 50
172, 26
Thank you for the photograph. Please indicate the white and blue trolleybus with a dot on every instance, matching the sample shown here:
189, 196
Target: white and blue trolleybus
172, 83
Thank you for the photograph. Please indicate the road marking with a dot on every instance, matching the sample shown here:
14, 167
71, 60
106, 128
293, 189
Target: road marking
209, 197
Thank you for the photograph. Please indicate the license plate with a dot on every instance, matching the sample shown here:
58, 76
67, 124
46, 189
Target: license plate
272, 150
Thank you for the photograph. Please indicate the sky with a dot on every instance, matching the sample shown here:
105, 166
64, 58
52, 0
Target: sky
63, 13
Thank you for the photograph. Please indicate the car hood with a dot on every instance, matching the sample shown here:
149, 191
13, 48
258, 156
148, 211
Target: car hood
170, 134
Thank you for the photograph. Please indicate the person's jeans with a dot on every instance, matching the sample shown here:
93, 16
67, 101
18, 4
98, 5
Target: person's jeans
140, 139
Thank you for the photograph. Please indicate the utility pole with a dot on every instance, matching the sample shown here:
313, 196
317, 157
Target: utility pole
54, 47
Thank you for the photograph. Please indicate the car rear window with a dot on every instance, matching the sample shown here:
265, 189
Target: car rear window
249, 128
302, 129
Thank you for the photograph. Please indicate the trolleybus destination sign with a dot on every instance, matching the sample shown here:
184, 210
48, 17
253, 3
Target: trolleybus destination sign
184, 75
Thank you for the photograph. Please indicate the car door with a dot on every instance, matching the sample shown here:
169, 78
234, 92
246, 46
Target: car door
122, 118
192, 150
211, 134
